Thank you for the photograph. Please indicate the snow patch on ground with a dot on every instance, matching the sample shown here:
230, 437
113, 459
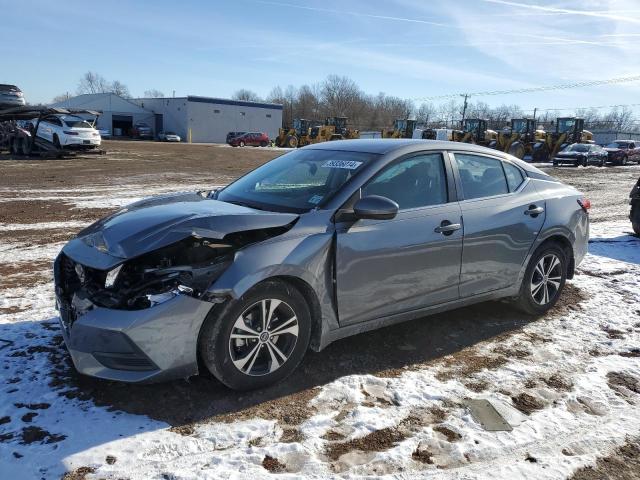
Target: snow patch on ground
569, 427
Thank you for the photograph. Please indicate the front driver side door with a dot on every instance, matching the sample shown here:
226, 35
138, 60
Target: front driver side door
385, 267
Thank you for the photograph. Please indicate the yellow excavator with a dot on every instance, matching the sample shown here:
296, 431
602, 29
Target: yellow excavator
568, 130
520, 138
474, 130
402, 128
296, 136
334, 128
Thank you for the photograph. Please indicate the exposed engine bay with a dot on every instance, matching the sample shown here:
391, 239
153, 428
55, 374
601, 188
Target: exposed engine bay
187, 267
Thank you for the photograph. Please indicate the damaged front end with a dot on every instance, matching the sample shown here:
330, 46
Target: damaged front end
186, 267
134, 289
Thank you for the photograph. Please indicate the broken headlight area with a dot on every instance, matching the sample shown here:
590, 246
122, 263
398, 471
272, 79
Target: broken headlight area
187, 267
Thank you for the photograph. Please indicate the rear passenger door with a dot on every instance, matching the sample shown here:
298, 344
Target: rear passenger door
502, 214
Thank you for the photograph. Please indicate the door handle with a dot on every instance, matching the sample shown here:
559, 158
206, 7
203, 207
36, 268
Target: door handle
447, 228
534, 211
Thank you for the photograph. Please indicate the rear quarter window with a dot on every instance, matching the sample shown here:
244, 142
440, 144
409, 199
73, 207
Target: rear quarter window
514, 176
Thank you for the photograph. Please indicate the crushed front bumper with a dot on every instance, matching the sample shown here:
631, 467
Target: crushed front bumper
153, 344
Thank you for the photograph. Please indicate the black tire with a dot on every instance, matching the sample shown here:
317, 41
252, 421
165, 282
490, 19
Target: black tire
16, 147
25, 147
635, 216
241, 144
56, 141
555, 164
529, 302
623, 162
263, 144
217, 348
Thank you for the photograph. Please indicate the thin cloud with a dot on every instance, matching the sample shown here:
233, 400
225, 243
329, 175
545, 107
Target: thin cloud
559, 40
567, 11
355, 14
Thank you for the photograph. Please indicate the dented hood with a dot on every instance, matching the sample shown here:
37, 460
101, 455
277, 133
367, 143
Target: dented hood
160, 221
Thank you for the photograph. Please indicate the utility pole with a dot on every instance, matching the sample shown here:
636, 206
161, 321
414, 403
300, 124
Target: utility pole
534, 114
464, 108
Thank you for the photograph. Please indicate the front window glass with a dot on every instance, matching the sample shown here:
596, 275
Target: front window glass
481, 176
297, 181
618, 145
565, 125
412, 183
577, 147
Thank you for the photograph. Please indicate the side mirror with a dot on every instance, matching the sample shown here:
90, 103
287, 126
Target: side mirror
375, 207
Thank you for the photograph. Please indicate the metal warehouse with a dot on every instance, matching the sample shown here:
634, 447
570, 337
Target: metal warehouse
118, 114
196, 119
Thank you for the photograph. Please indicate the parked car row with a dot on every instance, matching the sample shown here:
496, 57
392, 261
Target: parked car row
617, 153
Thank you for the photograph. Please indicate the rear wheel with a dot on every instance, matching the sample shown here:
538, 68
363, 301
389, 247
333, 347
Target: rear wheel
543, 280
263, 144
16, 148
517, 150
25, 147
635, 216
258, 339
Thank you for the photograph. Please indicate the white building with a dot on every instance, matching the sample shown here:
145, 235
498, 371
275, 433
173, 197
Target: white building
195, 119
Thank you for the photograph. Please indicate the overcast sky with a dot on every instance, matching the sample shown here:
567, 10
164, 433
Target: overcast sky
408, 48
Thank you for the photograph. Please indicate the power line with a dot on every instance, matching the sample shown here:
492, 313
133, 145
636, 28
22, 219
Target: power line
584, 108
565, 86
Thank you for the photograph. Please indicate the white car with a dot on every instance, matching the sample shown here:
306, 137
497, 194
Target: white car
168, 137
68, 131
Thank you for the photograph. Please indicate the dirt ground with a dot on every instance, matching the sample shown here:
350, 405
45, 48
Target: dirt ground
64, 190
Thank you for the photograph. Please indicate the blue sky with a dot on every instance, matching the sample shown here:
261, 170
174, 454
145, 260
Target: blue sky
408, 48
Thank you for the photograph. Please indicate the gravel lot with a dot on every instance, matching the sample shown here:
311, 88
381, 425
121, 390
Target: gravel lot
388, 402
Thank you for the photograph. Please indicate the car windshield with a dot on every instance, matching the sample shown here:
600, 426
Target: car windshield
169, 133
618, 145
297, 181
76, 122
577, 147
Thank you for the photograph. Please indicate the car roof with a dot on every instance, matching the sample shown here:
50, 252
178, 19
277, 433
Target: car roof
383, 146
388, 145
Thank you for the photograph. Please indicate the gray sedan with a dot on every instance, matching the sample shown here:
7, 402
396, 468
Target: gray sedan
324, 242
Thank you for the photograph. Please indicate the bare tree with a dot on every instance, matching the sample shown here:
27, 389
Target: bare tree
246, 95
63, 97
92, 82
153, 93
119, 89
426, 113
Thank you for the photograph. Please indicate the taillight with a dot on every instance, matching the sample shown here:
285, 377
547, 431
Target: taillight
585, 204
70, 133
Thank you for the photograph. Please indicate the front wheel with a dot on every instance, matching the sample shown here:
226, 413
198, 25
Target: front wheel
543, 280
258, 339
241, 144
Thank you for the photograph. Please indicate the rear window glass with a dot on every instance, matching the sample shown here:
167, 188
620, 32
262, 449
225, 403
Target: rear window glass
481, 176
514, 176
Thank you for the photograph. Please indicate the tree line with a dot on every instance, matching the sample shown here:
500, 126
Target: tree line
341, 96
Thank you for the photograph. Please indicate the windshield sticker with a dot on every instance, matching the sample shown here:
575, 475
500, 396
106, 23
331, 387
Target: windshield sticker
316, 199
348, 164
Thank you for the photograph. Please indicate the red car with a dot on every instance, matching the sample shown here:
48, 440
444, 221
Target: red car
622, 151
254, 139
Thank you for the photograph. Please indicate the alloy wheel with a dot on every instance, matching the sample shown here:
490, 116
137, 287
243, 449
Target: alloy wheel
546, 279
263, 337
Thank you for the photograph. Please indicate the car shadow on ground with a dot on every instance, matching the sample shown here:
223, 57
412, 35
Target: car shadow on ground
385, 352
625, 248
